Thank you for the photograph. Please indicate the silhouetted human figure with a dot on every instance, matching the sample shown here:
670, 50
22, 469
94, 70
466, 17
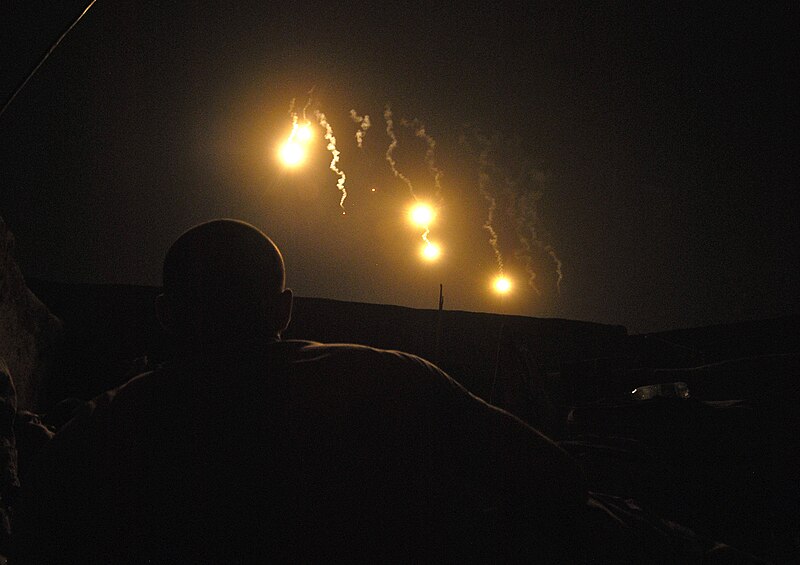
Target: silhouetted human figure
246, 448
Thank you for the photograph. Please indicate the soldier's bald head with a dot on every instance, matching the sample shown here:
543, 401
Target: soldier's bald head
223, 276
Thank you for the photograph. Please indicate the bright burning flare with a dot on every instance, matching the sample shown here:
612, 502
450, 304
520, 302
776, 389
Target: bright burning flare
421, 215
431, 251
502, 285
292, 154
304, 133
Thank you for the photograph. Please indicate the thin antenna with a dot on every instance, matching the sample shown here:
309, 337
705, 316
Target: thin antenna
46, 55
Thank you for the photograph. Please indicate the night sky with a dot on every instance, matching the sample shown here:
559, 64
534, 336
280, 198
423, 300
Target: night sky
651, 149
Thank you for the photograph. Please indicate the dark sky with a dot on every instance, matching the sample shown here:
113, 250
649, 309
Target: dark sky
652, 149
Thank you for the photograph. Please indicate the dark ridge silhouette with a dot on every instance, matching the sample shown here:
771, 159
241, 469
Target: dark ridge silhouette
692, 347
108, 327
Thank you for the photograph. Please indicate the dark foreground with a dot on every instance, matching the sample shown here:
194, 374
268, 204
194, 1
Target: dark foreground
722, 462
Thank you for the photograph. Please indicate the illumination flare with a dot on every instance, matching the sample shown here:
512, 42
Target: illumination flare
512, 185
292, 154
388, 117
303, 133
431, 251
421, 214
293, 151
502, 285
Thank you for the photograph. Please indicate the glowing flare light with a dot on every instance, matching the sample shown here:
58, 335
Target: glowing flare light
502, 285
304, 133
431, 251
421, 215
292, 154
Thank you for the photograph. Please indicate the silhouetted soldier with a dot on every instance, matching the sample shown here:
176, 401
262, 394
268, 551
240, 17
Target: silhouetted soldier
247, 448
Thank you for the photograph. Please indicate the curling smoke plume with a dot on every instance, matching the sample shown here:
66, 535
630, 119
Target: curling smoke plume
334, 157
430, 154
388, 117
364, 124
511, 185
488, 225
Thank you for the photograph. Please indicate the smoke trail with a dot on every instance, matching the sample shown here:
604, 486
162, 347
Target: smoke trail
308, 103
293, 114
525, 254
527, 223
484, 180
334, 156
419, 131
364, 123
510, 183
550, 251
296, 126
387, 116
